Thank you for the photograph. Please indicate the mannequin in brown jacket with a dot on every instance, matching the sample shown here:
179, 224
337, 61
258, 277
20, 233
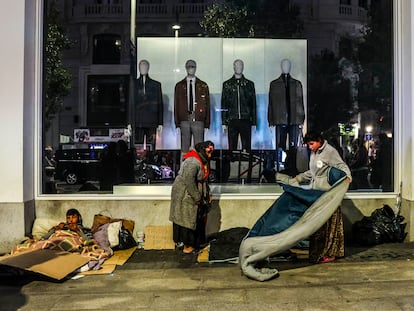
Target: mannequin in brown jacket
191, 109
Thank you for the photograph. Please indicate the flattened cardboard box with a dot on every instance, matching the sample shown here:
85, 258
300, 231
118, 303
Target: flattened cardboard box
54, 264
159, 237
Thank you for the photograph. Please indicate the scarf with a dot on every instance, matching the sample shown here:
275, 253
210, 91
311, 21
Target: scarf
203, 161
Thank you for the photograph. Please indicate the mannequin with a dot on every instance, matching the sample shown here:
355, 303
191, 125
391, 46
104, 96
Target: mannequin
148, 106
238, 104
286, 112
191, 116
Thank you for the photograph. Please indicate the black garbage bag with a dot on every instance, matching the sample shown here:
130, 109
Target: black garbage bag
383, 226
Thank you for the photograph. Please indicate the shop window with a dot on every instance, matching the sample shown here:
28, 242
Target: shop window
106, 49
107, 101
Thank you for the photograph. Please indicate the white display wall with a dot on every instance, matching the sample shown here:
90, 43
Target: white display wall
215, 57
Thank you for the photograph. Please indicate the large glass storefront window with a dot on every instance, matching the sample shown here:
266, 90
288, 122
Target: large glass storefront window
340, 81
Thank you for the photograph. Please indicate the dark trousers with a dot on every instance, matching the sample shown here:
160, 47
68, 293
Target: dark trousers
149, 132
242, 127
282, 131
288, 145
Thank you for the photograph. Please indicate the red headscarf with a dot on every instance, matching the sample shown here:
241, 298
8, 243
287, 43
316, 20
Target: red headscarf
205, 166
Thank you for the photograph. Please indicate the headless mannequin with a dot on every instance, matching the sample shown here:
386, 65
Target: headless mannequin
238, 103
191, 107
148, 118
286, 113
238, 67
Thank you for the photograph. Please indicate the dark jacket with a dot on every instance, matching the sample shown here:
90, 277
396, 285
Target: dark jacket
229, 100
202, 100
277, 112
148, 106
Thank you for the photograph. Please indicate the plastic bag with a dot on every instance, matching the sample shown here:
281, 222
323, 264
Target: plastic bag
126, 240
383, 226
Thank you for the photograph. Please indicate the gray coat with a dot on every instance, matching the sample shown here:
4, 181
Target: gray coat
188, 188
319, 163
277, 113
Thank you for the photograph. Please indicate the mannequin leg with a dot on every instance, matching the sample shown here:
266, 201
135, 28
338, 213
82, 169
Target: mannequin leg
185, 136
197, 129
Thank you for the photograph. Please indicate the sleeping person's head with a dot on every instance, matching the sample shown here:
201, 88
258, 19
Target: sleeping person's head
73, 216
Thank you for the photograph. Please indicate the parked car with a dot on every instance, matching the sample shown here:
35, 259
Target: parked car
77, 165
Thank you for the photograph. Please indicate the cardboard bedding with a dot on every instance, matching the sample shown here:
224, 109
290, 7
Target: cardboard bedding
63, 253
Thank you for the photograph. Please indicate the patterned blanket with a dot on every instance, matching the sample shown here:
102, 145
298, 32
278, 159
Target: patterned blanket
65, 240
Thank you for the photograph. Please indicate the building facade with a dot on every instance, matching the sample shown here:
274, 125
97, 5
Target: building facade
21, 199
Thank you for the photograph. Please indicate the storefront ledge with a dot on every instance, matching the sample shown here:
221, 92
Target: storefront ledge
218, 191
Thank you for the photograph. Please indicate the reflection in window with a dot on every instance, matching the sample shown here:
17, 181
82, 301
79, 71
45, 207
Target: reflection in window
106, 49
349, 91
107, 101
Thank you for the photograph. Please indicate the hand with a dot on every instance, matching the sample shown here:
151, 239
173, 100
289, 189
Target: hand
73, 227
60, 226
159, 128
224, 128
348, 180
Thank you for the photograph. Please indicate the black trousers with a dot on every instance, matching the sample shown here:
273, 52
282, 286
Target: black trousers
282, 131
242, 127
149, 132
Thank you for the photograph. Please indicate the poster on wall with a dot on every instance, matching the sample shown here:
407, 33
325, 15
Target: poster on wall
81, 135
262, 63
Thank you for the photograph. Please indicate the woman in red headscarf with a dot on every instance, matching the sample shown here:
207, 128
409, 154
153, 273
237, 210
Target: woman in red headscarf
190, 198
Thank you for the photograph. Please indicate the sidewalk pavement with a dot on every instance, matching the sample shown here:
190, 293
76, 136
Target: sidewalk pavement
373, 278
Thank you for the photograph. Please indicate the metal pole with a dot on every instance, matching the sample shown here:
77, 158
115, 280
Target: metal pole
132, 75
133, 20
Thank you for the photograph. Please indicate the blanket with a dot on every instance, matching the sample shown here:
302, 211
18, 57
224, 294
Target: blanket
65, 240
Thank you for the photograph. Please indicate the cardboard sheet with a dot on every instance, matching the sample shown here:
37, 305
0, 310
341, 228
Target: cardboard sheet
51, 263
159, 237
117, 259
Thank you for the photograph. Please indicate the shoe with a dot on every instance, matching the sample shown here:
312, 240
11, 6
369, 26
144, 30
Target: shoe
188, 249
326, 259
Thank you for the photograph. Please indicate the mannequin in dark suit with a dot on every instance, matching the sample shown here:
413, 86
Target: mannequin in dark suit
191, 116
286, 111
148, 106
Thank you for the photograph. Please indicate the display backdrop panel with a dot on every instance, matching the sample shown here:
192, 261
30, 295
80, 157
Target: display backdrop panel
214, 58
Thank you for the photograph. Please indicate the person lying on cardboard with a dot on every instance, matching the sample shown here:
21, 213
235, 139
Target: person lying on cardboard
70, 236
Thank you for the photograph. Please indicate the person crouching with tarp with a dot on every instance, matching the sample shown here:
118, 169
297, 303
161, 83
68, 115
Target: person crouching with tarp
191, 198
301, 213
328, 242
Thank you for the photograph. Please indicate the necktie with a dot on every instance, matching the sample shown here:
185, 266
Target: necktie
191, 97
287, 86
